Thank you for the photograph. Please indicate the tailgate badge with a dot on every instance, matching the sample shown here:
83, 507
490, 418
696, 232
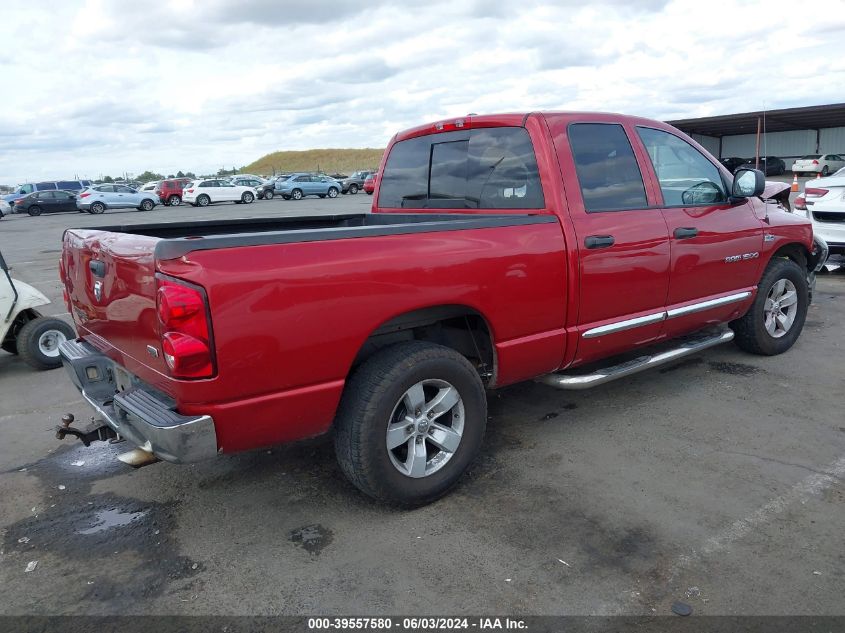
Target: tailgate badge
98, 290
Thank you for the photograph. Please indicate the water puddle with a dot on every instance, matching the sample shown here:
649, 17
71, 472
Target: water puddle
112, 518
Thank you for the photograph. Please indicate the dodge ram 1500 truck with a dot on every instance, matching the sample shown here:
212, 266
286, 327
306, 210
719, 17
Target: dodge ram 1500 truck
569, 248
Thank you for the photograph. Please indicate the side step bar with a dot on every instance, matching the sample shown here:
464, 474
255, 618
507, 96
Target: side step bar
686, 346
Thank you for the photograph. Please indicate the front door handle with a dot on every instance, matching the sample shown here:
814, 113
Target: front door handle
685, 233
599, 241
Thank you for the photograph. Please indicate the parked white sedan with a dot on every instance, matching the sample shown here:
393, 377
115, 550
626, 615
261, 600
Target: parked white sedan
823, 164
823, 202
202, 193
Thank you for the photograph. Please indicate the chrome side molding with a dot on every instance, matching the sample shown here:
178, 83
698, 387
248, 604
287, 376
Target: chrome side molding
657, 317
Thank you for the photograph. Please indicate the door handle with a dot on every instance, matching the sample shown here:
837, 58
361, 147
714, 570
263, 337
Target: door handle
98, 268
599, 241
685, 233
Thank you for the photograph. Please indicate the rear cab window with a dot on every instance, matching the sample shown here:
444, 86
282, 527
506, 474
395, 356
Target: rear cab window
484, 168
607, 168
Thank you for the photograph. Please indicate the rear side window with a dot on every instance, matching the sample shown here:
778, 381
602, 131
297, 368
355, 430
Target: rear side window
686, 176
487, 168
607, 169
45, 186
68, 184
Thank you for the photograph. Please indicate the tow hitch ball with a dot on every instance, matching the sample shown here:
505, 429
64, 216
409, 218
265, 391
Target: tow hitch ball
93, 432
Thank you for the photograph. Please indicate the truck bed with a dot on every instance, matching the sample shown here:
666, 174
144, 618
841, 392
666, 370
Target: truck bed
180, 238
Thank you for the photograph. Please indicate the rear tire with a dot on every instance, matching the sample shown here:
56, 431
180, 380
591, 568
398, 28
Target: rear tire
174, 201
774, 321
825, 171
97, 208
34, 210
376, 405
296, 194
203, 200
38, 341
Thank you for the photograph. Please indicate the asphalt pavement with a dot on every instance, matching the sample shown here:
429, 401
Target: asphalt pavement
717, 482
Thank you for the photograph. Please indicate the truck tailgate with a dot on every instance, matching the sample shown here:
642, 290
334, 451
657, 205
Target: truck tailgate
110, 280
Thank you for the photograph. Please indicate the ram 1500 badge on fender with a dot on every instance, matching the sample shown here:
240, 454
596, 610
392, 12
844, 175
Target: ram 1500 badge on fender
500, 248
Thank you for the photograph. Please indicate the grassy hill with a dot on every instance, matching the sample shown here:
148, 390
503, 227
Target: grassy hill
330, 161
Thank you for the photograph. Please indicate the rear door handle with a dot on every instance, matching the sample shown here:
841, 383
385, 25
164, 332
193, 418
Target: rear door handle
685, 233
599, 241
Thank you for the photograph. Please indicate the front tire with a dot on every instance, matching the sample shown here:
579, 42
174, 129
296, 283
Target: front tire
268, 195
410, 422
775, 320
332, 193
247, 197
38, 342
97, 208
146, 205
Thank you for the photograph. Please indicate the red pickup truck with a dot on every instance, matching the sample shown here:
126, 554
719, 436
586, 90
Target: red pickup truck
570, 248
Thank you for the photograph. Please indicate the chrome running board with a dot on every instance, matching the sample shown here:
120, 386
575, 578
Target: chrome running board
686, 346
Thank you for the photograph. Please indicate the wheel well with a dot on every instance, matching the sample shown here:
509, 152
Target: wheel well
458, 327
21, 319
796, 252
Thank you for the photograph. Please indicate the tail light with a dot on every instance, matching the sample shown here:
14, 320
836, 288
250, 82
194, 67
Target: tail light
800, 203
19, 201
185, 329
815, 192
815, 162
189, 190
84, 195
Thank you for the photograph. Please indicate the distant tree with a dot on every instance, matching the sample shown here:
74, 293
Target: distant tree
179, 174
190, 174
108, 179
148, 175
171, 176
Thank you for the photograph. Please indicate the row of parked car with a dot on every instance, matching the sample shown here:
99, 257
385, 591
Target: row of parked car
48, 197
822, 164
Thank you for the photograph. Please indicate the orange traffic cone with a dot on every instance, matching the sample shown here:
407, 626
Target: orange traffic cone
818, 175
795, 183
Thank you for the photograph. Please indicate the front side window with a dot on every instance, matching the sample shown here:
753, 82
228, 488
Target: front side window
607, 169
686, 176
27, 188
487, 168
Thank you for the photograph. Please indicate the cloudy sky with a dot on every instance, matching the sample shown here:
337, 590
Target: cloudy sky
106, 86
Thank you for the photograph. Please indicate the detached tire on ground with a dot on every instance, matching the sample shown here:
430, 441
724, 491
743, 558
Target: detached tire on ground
410, 422
775, 320
38, 341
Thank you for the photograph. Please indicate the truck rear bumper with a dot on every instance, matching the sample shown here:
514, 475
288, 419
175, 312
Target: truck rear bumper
134, 410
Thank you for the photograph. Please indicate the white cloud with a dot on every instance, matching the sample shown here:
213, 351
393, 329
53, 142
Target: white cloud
106, 86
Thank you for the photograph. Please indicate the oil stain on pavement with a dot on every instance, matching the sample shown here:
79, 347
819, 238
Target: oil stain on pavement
107, 548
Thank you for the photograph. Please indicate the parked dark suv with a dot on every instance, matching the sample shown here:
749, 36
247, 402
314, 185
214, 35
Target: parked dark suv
354, 183
769, 165
170, 191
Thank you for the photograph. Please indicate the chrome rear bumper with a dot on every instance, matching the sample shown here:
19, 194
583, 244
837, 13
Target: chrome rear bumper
136, 411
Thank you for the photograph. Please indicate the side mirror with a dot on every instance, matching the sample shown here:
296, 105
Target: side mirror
748, 183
